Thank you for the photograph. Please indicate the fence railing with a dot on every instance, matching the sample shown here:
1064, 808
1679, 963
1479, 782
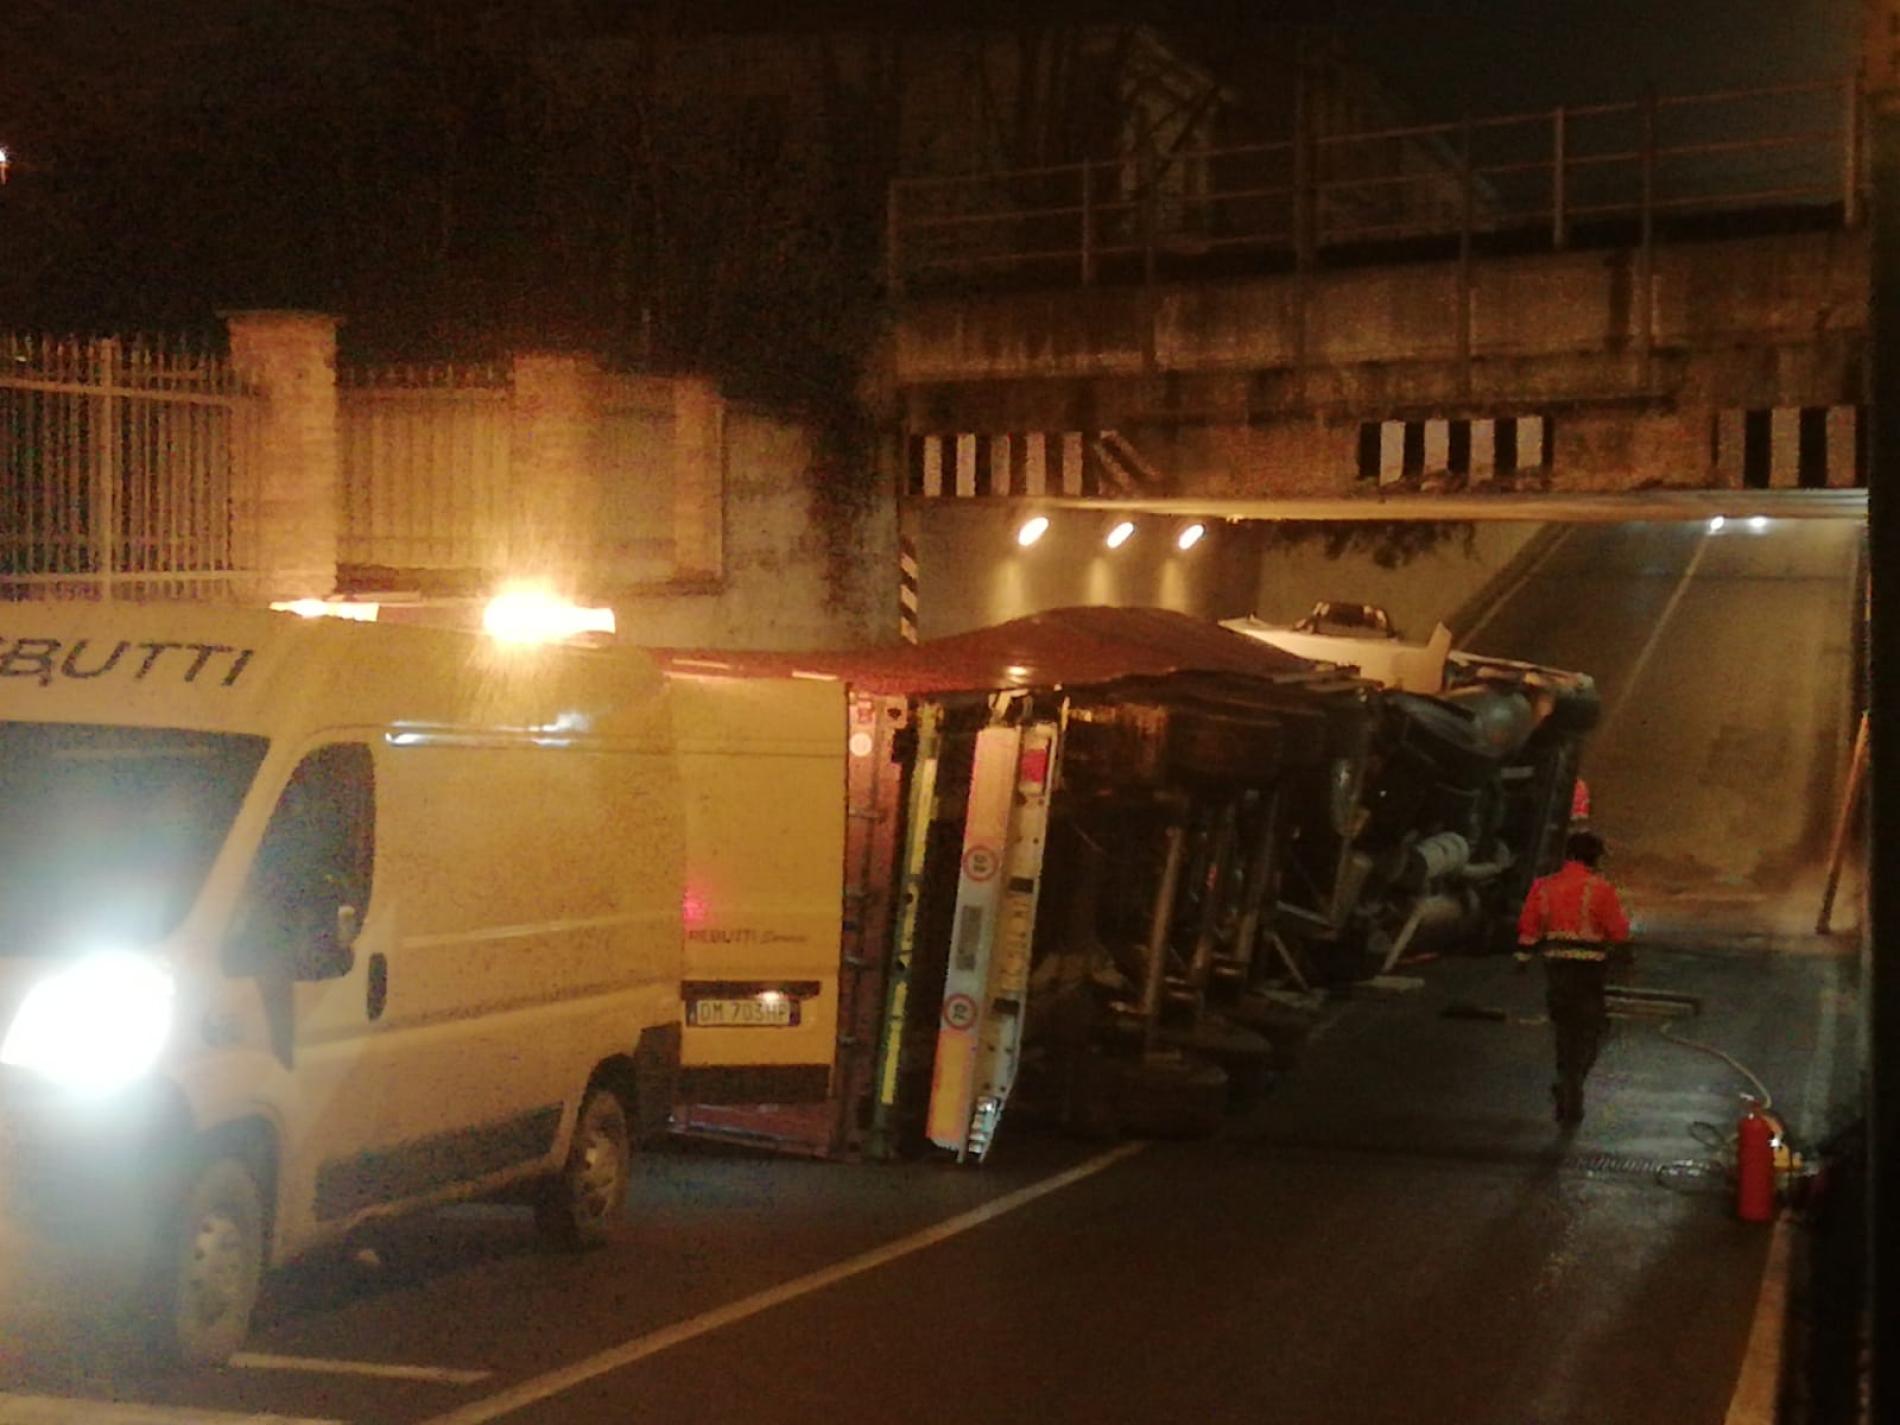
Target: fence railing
1626, 171
425, 466
124, 469
442, 473
148, 469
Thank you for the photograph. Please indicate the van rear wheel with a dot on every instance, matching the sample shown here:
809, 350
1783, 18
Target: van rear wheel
575, 1208
208, 1269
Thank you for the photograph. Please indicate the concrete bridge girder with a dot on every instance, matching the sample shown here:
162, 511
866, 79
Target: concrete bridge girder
1263, 386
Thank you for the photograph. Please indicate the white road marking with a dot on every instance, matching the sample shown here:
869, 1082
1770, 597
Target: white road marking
65, 1410
319, 1365
1759, 1383
1465, 639
551, 1383
1601, 735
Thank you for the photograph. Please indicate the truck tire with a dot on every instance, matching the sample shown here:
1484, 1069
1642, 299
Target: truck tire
577, 1206
1093, 1094
1172, 1096
208, 1268
1244, 1054
1285, 1026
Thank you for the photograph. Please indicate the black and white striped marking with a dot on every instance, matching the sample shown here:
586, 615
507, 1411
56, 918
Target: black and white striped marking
1790, 447
907, 589
1390, 451
975, 464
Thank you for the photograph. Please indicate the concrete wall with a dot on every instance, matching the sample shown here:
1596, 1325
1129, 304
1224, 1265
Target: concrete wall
1763, 292
794, 578
1418, 592
973, 573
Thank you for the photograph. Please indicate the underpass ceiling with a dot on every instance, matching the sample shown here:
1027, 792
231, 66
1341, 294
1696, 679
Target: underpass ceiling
1580, 508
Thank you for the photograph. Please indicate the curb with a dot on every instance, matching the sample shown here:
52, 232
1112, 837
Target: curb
1757, 1396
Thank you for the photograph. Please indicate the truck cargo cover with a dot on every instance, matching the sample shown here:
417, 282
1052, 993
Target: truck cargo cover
1073, 647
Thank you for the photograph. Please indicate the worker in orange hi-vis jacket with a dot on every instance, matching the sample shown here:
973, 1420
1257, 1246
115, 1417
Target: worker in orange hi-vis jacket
1573, 920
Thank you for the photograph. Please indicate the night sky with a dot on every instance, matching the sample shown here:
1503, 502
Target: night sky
419, 167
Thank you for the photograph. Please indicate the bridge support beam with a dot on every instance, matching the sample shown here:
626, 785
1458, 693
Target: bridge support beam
1883, 1038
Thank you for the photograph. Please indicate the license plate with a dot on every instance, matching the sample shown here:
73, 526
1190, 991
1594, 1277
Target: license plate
778, 1013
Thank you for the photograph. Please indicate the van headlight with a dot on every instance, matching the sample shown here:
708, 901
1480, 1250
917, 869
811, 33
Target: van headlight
95, 1025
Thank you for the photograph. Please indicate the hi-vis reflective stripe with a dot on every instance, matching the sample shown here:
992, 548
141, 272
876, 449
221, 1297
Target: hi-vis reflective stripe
922, 812
973, 936
1587, 941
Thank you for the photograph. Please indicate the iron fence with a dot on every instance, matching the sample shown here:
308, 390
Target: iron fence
1550, 178
426, 470
125, 469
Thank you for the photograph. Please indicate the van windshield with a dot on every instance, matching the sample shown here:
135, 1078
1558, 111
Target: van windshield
107, 833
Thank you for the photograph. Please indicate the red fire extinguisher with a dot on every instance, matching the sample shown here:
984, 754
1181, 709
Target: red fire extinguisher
1754, 1165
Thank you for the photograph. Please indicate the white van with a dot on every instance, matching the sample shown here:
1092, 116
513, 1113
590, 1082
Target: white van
304, 923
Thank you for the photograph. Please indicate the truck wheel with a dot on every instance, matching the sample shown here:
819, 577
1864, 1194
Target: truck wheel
1244, 1054
209, 1265
576, 1207
1172, 1096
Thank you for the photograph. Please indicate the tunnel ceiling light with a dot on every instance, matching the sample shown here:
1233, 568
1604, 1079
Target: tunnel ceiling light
1033, 529
1120, 535
1758, 523
1190, 536
1716, 523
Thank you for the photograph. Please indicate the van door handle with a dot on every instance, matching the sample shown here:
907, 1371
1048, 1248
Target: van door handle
378, 984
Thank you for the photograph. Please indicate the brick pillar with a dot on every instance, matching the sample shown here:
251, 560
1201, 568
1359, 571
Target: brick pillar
291, 536
699, 471
556, 533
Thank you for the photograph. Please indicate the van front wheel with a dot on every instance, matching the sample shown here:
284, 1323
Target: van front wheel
209, 1265
576, 1207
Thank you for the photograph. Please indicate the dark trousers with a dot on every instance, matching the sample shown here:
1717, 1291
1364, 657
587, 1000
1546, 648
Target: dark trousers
1573, 991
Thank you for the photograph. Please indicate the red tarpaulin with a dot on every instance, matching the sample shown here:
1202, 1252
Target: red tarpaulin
1060, 648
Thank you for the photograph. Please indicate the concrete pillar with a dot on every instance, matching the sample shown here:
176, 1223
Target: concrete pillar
699, 479
1391, 451
1484, 451
1730, 440
1035, 463
966, 465
291, 535
1784, 444
556, 534
1071, 462
1842, 437
933, 466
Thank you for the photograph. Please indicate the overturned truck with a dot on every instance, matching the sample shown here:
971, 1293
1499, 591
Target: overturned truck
1466, 797
1095, 857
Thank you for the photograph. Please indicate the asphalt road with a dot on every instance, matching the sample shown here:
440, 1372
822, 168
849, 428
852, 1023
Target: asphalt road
1397, 1233
1726, 662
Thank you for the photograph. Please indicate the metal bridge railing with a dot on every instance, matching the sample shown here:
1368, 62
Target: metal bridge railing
1616, 172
